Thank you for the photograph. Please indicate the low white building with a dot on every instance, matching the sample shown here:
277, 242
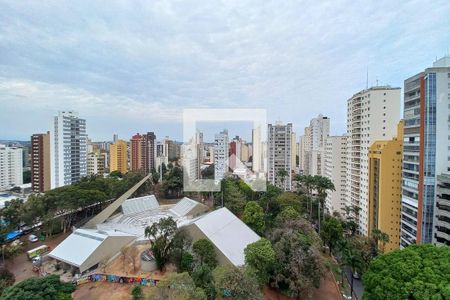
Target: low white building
227, 232
86, 248
11, 167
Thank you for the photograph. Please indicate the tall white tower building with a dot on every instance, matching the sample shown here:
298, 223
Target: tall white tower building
372, 114
257, 150
68, 145
11, 167
336, 171
220, 155
279, 155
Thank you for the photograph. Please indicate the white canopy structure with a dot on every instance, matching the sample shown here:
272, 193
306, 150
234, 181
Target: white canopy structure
85, 248
140, 204
227, 232
188, 207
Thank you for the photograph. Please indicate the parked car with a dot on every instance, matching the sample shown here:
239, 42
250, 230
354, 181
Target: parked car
32, 238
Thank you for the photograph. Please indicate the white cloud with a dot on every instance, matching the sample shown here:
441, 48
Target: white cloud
296, 58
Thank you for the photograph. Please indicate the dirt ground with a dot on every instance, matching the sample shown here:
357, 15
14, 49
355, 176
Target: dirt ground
106, 291
21, 266
328, 290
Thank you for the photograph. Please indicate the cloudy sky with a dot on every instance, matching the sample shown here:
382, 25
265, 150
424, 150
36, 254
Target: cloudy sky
130, 66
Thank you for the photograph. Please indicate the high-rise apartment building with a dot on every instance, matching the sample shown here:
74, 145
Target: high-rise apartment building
279, 155
336, 171
40, 162
143, 152
385, 187
221, 158
293, 151
256, 150
68, 146
118, 157
304, 153
426, 154
313, 146
95, 163
372, 114
11, 167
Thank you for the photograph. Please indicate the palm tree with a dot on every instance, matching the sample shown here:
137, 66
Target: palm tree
307, 183
380, 236
351, 257
323, 185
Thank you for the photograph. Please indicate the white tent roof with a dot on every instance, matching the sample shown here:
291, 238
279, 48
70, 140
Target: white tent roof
229, 234
78, 246
184, 206
82, 243
140, 204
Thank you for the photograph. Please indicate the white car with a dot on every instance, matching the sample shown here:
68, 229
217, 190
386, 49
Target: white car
32, 238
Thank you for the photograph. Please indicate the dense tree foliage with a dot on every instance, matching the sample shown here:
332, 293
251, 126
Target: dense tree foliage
332, 232
260, 258
179, 286
289, 199
288, 213
58, 207
233, 197
416, 272
137, 293
161, 235
6, 279
204, 253
254, 217
299, 266
235, 283
39, 288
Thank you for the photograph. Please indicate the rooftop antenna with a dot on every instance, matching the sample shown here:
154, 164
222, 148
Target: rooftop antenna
377, 81
367, 78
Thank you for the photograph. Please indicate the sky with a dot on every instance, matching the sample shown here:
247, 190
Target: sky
133, 66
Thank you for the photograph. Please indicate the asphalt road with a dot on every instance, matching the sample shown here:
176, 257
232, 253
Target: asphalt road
357, 284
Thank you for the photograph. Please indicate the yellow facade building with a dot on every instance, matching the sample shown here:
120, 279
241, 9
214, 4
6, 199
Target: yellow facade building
385, 192
118, 155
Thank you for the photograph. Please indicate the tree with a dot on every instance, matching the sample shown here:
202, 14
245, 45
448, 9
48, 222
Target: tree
299, 266
378, 237
131, 254
37, 288
293, 200
6, 279
179, 286
287, 214
202, 276
332, 232
136, 293
282, 174
116, 174
233, 198
416, 272
254, 217
235, 283
204, 253
260, 257
161, 237
180, 251
323, 185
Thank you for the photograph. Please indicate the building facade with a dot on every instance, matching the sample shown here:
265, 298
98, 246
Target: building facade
279, 155
95, 163
221, 158
385, 188
11, 167
441, 228
40, 162
313, 146
118, 157
143, 152
372, 114
68, 149
426, 149
336, 171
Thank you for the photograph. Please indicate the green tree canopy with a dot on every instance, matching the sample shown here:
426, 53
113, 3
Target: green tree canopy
235, 283
204, 253
39, 288
416, 272
179, 286
254, 217
260, 257
162, 235
332, 232
287, 199
288, 213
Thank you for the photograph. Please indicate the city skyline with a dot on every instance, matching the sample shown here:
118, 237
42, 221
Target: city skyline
132, 68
